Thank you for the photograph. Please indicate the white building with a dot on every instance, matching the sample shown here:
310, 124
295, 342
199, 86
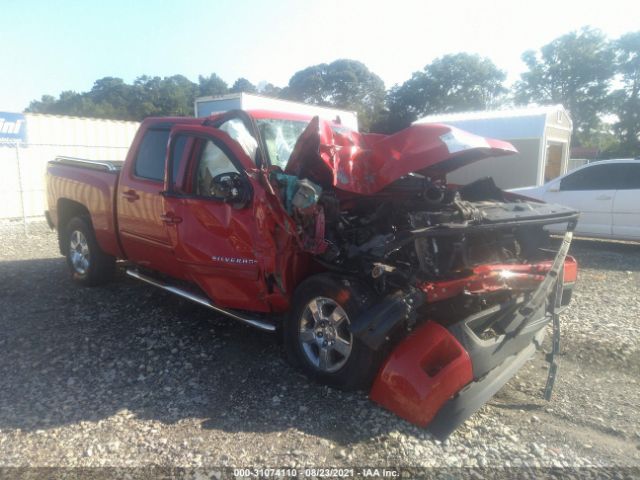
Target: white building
542, 136
205, 106
29, 141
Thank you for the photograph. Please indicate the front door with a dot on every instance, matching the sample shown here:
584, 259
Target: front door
211, 217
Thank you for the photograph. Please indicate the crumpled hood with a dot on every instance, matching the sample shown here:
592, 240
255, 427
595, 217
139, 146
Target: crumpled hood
366, 163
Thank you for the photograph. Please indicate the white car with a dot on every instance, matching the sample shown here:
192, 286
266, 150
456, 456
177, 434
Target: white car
606, 193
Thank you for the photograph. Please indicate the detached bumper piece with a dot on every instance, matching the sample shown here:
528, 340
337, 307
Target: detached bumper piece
438, 377
422, 373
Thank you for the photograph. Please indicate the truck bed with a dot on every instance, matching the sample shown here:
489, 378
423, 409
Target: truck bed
105, 165
91, 185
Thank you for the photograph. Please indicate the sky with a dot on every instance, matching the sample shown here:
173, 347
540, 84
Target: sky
50, 46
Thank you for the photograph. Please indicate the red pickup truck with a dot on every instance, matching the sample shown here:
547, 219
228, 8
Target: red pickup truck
351, 247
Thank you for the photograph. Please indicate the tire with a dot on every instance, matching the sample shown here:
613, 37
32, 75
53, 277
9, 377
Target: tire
88, 264
335, 301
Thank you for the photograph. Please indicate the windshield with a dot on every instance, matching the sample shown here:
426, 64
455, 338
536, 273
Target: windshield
280, 137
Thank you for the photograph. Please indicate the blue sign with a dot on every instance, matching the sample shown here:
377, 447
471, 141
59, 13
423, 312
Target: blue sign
13, 128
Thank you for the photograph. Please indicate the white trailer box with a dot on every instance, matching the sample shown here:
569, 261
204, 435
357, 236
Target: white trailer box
24, 158
205, 106
542, 136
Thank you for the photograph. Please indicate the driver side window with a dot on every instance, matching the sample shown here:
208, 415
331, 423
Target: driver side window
213, 162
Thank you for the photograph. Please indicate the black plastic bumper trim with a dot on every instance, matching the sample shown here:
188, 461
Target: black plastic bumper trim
475, 395
519, 320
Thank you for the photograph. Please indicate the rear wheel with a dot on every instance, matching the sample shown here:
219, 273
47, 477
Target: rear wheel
317, 334
88, 264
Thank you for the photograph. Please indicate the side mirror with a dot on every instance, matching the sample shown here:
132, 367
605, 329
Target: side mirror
554, 188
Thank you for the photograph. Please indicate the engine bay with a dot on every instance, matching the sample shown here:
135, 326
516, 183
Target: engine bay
416, 230
425, 248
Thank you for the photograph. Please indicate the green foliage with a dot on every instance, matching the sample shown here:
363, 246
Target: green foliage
346, 84
270, 90
601, 137
452, 83
574, 70
626, 100
148, 96
243, 85
176, 95
211, 86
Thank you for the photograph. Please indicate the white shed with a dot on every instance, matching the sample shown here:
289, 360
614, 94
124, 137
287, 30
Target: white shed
205, 106
542, 136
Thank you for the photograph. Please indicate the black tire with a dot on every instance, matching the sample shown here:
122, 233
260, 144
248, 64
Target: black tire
359, 368
95, 267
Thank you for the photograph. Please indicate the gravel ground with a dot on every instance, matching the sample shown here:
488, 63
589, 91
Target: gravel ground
126, 375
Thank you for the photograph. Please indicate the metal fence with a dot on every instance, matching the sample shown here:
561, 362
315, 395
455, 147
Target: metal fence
22, 178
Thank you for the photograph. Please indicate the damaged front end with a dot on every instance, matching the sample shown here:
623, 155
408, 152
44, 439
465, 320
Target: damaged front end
465, 277
447, 368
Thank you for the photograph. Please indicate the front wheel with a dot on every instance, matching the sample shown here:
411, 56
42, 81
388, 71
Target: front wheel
318, 337
88, 264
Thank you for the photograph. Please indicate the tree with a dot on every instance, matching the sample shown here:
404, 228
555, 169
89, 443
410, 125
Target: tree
574, 70
177, 94
627, 99
146, 97
114, 96
43, 105
68, 103
452, 83
243, 85
269, 89
310, 86
346, 84
211, 85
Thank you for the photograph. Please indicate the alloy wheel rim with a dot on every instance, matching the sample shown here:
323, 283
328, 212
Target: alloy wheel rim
79, 252
324, 334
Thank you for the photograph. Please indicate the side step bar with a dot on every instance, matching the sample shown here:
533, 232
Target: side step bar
205, 302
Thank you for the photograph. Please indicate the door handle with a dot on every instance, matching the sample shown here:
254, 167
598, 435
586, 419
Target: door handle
130, 195
604, 197
170, 218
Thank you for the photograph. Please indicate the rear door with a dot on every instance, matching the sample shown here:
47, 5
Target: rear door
216, 241
140, 205
591, 191
626, 204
